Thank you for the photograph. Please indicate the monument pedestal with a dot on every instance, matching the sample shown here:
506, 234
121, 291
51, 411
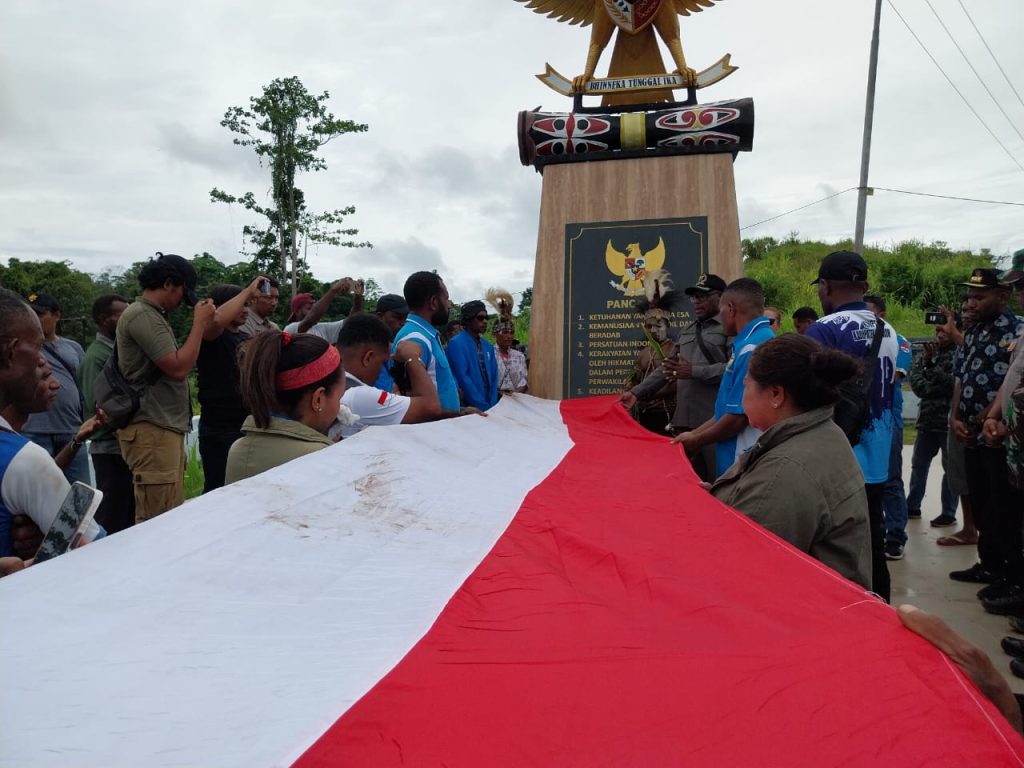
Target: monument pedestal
584, 204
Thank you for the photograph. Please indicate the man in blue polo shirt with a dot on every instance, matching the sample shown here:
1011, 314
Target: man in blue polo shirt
427, 297
741, 311
849, 326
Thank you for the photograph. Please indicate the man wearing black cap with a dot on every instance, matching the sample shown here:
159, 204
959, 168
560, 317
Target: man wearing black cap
981, 368
393, 310
849, 325
473, 361
149, 357
696, 365
54, 428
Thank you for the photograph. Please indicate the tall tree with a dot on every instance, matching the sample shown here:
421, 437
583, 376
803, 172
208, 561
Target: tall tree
287, 126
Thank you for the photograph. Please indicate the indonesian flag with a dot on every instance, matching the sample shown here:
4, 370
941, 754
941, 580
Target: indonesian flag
547, 586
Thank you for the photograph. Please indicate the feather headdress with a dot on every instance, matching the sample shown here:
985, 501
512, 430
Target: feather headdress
659, 295
503, 304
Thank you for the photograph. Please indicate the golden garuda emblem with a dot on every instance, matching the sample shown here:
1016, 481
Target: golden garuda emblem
633, 265
636, 63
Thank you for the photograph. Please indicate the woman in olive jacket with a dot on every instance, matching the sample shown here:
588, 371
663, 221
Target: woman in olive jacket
801, 480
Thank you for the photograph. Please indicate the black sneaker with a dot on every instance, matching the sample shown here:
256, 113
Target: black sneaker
1017, 624
943, 521
976, 574
998, 588
914, 514
893, 551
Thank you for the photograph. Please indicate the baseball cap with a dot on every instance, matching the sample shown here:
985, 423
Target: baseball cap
43, 302
187, 273
300, 300
392, 302
706, 284
985, 278
842, 265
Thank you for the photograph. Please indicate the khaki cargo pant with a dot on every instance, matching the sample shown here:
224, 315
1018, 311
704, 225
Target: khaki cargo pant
156, 457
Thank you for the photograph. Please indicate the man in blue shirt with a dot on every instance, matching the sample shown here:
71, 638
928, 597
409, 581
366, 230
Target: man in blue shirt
427, 297
741, 311
849, 326
473, 361
894, 495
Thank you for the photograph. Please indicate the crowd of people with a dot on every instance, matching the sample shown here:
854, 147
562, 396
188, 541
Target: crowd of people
807, 427
802, 431
266, 395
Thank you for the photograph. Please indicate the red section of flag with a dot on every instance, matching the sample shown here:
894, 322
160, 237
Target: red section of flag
383, 398
627, 618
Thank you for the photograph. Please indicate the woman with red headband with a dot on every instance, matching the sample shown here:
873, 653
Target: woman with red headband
292, 386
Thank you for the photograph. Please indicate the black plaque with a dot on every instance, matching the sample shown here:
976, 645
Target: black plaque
604, 264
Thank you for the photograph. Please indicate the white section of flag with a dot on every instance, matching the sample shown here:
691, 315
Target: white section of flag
236, 629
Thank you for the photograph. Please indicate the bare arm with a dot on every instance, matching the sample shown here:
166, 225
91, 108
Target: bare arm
179, 363
424, 403
319, 309
229, 310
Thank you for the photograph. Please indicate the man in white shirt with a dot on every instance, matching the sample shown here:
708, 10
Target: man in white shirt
364, 343
306, 313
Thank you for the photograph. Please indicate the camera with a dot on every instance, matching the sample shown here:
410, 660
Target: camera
935, 318
265, 287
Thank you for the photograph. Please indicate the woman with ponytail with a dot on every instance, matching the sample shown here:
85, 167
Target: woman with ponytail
801, 480
292, 387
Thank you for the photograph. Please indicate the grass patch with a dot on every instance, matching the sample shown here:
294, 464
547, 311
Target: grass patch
194, 477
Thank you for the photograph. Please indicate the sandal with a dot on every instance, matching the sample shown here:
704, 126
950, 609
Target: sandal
956, 539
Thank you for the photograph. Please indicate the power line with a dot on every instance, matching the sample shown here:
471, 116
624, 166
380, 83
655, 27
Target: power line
773, 218
980, 78
987, 48
886, 189
949, 197
953, 86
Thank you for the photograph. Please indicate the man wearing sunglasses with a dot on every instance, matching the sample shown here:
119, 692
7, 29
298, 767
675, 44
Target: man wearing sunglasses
473, 361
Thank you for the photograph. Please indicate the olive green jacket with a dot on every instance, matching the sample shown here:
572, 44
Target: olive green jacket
802, 482
261, 449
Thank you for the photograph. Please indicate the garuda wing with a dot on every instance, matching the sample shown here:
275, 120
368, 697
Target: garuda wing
572, 11
655, 257
615, 260
686, 7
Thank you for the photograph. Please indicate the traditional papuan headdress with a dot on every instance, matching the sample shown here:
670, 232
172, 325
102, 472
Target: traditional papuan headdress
503, 304
660, 298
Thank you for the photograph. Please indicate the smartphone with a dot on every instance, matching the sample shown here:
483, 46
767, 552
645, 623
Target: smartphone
72, 519
935, 318
265, 286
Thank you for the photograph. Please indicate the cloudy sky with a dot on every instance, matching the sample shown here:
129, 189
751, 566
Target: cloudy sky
110, 138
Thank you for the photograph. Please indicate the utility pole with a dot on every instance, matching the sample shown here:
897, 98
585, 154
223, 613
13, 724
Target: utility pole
865, 155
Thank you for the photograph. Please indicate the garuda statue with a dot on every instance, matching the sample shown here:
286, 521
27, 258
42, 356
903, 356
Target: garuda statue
636, 49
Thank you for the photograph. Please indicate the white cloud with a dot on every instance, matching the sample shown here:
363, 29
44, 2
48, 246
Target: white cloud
111, 136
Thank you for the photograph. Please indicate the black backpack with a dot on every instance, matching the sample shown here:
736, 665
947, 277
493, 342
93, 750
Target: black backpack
115, 395
854, 405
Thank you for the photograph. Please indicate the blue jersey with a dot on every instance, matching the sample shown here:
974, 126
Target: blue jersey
850, 329
730, 391
434, 358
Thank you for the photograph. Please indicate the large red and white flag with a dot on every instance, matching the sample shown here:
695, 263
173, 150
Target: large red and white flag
547, 586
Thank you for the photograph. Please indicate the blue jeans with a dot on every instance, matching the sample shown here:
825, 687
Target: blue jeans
894, 499
926, 445
79, 467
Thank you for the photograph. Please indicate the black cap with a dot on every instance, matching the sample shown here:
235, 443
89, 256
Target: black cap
842, 265
706, 284
392, 302
43, 302
187, 272
471, 308
985, 278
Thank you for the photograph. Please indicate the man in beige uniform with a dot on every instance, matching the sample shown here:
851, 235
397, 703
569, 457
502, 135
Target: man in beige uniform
148, 354
696, 365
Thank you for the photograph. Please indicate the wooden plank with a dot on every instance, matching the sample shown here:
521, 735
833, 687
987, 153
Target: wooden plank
622, 190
